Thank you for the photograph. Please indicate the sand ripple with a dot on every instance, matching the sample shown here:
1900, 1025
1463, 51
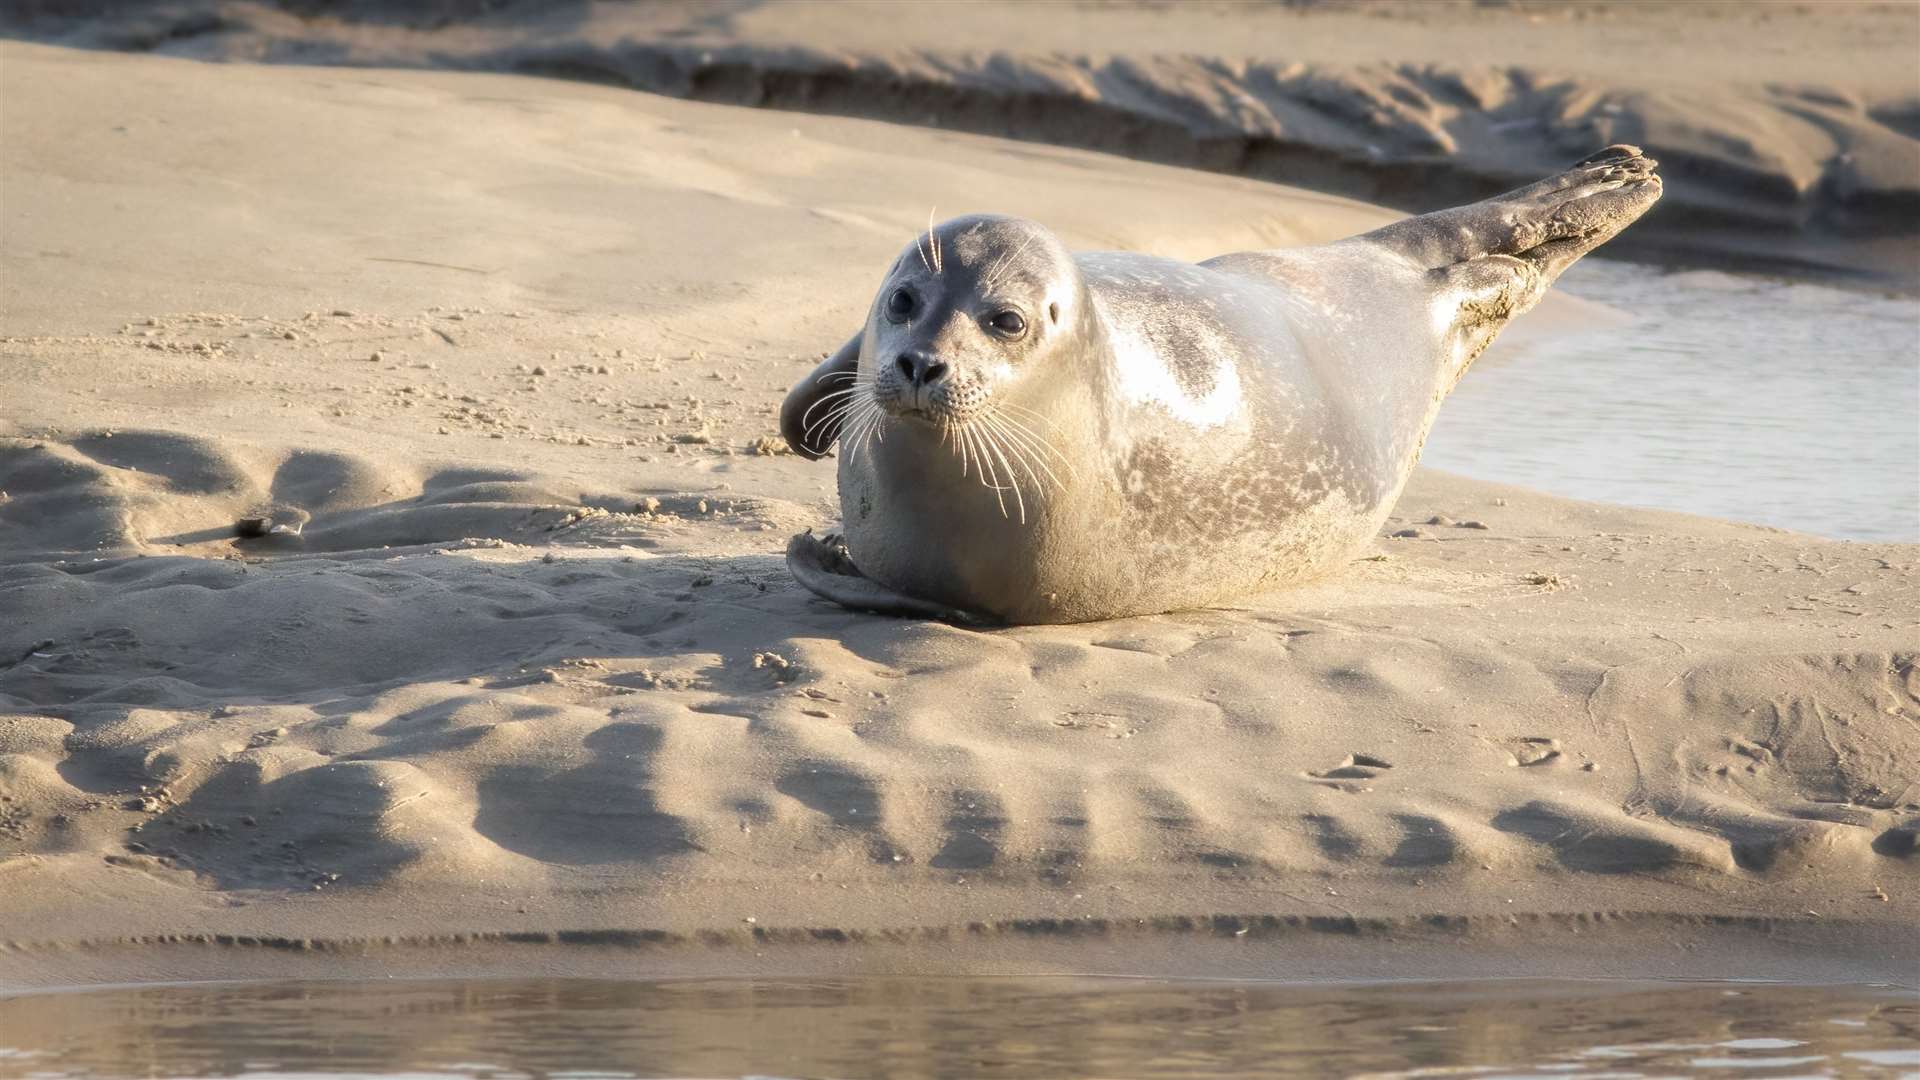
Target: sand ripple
498, 698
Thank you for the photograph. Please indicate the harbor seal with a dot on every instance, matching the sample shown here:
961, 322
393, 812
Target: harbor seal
1028, 435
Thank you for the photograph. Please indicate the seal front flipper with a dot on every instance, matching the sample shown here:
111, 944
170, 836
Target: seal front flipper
822, 564
813, 414
810, 419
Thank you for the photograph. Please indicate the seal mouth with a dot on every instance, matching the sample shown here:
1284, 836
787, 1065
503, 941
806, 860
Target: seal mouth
915, 406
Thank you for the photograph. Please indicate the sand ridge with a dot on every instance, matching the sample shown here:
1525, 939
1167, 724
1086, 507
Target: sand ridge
523, 658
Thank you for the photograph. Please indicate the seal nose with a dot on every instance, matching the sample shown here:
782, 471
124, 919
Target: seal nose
919, 368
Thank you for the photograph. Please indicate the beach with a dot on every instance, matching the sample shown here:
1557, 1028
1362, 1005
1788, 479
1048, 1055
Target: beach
1789, 134
510, 675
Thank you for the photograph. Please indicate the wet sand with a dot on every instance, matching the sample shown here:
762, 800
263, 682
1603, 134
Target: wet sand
999, 1028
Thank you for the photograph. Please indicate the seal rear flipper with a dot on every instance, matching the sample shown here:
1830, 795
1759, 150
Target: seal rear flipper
812, 416
1488, 293
1550, 223
822, 564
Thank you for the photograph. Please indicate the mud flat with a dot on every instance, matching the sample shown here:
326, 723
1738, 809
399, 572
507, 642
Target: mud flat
512, 678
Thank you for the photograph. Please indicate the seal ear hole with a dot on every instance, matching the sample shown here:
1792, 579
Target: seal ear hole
1053, 312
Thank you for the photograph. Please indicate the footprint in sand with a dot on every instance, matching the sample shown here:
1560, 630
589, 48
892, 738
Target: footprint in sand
1532, 751
1355, 767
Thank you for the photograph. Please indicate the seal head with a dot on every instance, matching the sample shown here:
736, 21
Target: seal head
969, 318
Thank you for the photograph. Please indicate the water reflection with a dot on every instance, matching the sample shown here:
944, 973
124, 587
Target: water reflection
1783, 403
958, 1027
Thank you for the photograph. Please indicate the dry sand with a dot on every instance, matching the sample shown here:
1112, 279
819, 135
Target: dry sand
506, 353
1788, 134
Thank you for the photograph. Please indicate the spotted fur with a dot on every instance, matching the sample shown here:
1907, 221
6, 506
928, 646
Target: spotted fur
1171, 434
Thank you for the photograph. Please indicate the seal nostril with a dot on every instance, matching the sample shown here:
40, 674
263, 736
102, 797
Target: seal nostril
918, 369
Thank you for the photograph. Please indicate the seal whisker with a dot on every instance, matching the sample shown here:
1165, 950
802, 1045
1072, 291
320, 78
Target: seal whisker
1041, 444
873, 431
847, 393
857, 440
1059, 478
998, 443
843, 399
1021, 458
992, 443
989, 476
1024, 455
1031, 422
854, 434
950, 438
832, 416
1036, 448
992, 278
1009, 406
965, 434
835, 416
960, 446
836, 412
1029, 460
983, 462
933, 240
847, 420
1000, 415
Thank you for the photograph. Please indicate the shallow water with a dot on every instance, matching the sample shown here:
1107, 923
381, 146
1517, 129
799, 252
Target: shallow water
1784, 403
1053, 1027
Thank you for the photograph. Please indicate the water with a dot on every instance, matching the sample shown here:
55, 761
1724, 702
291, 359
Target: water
962, 1027
1777, 402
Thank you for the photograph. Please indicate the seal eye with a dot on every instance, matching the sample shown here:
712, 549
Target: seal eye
899, 305
1010, 323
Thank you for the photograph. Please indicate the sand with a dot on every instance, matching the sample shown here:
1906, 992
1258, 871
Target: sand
521, 683
1789, 134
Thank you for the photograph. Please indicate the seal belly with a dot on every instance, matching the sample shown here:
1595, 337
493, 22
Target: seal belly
1240, 467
